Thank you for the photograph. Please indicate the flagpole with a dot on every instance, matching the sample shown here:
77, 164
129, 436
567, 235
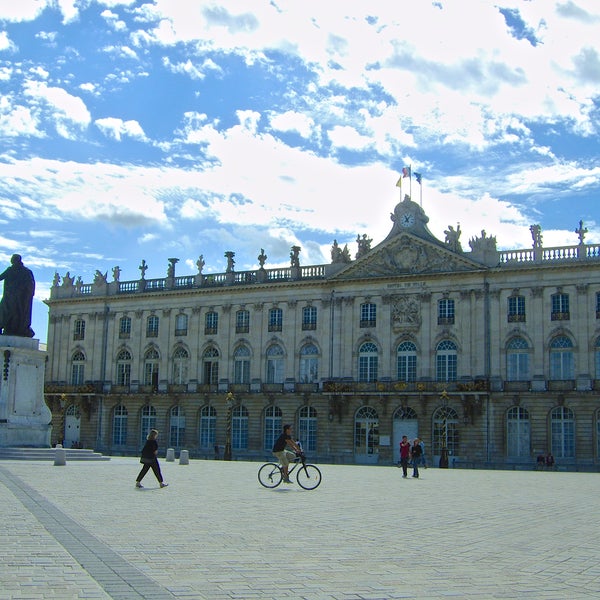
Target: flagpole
410, 178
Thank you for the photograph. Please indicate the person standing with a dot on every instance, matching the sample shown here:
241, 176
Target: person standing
404, 455
416, 453
150, 460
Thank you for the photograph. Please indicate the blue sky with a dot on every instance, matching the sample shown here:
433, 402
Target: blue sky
139, 129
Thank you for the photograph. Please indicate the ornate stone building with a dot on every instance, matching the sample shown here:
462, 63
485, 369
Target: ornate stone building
489, 356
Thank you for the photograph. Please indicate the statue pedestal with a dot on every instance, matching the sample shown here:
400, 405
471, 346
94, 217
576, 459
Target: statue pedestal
24, 417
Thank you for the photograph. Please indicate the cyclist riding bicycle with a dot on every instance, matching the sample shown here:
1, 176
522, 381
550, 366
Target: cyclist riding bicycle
285, 456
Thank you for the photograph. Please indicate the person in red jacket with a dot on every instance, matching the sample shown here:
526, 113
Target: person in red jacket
404, 455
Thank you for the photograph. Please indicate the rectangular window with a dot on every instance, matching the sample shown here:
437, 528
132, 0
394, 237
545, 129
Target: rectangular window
241, 371
516, 309
309, 318
446, 311
79, 331
598, 305
123, 373
560, 307
407, 367
368, 314
275, 319
517, 366
77, 374
152, 326
211, 372
181, 324
242, 321
124, 327
211, 323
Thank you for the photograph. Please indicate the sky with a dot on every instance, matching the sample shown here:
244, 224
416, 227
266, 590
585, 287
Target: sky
135, 129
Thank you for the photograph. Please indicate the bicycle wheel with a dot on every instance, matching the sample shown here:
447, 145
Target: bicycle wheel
308, 477
270, 475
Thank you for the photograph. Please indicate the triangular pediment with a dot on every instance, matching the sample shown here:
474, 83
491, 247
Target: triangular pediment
407, 254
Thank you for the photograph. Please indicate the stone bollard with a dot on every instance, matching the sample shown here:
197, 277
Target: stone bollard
60, 457
170, 455
184, 457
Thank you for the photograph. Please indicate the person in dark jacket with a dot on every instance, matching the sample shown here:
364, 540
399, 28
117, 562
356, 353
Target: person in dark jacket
416, 452
150, 460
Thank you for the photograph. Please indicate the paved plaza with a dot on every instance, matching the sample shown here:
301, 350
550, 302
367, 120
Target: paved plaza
83, 531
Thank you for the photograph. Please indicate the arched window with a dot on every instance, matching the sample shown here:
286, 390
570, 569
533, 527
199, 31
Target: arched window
307, 428
518, 431
208, 427
562, 366
517, 360
181, 324
368, 362
148, 422
241, 365
180, 365
210, 366
366, 431
123, 367
562, 430
119, 426
239, 428
406, 362
275, 364
151, 360
309, 364
445, 430
77, 368
446, 364
176, 427
273, 426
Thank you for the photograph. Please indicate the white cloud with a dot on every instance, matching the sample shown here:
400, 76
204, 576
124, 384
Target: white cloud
348, 137
293, 121
118, 129
68, 112
5, 42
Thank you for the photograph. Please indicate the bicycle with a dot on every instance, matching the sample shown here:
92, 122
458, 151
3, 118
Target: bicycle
308, 476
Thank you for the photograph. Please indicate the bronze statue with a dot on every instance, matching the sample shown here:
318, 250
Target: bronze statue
15, 307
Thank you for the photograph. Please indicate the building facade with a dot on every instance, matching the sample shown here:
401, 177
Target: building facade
491, 357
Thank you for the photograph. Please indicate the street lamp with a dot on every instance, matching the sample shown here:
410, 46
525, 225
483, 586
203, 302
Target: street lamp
229, 399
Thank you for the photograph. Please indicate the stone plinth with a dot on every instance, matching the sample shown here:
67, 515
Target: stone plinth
24, 417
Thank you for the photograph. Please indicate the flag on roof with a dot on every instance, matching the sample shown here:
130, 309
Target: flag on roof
399, 183
418, 177
406, 172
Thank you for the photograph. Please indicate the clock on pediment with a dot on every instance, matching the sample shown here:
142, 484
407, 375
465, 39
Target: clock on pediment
407, 219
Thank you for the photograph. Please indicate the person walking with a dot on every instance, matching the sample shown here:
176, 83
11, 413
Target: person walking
149, 459
416, 453
404, 455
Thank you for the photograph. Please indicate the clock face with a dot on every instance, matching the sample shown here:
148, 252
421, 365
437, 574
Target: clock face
407, 220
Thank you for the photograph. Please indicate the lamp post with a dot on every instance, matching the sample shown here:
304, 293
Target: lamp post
229, 401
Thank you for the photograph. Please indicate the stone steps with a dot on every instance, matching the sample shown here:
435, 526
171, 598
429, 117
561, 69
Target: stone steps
48, 454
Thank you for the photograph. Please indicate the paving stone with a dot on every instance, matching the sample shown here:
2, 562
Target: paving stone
84, 531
